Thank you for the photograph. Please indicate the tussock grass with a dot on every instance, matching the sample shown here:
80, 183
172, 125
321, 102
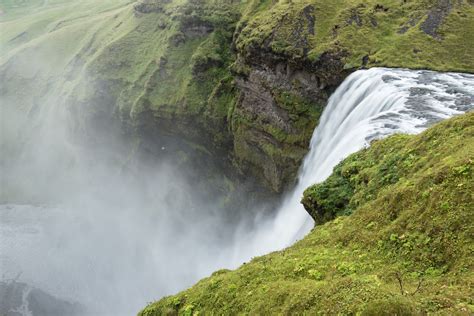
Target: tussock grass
405, 248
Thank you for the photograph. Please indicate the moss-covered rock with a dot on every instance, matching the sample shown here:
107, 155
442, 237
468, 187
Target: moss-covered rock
246, 78
306, 48
392, 33
405, 248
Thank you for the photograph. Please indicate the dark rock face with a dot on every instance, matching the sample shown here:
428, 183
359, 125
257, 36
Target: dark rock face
259, 104
435, 18
194, 27
277, 94
281, 95
17, 299
148, 6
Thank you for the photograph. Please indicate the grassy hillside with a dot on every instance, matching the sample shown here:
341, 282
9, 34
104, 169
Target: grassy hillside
45, 47
406, 248
413, 34
249, 78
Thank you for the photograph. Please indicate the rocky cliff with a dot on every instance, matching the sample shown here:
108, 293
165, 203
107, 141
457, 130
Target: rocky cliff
241, 84
403, 246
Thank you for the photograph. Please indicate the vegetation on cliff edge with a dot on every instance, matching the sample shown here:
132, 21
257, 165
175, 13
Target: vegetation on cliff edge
406, 248
182, 66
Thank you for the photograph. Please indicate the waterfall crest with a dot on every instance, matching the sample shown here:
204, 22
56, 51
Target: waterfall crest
368, 105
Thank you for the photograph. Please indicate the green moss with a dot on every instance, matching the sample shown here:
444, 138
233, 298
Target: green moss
330, 199
406, 249
379, 33
304, 117
108, 58
275, 149
329, 40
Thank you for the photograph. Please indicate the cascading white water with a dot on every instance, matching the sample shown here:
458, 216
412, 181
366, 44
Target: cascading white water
369, 104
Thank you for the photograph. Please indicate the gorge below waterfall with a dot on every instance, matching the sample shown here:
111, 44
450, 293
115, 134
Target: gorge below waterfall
116, 240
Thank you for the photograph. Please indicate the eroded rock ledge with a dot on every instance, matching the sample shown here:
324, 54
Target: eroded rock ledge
274, 66
245, 82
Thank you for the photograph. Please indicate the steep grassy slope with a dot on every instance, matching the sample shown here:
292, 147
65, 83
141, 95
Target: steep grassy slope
392, 33
247, 79
406, 248
41, 46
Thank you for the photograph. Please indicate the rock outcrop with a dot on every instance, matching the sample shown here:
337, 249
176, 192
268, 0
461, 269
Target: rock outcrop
242, 82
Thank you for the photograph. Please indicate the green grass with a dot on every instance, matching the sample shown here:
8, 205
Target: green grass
66, 49
329, 39
358, 28
406, 248
43, 52
33, 19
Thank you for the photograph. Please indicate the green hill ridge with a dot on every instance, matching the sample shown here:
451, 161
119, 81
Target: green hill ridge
245, 79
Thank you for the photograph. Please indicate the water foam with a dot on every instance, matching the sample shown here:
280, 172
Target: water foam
369, 104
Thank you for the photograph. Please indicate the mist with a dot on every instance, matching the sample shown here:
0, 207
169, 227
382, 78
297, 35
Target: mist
96, 222
104, 223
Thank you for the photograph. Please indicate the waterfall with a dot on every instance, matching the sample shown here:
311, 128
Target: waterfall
130, 239
369, 104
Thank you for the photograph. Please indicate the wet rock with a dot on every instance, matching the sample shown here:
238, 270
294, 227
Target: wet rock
365, 60
389, 78
417, 91
264, 144
464, 103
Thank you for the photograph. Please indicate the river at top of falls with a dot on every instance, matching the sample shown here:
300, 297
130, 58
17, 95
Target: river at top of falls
114, 254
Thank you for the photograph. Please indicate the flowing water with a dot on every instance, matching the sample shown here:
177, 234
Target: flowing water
369, 104
113, 243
